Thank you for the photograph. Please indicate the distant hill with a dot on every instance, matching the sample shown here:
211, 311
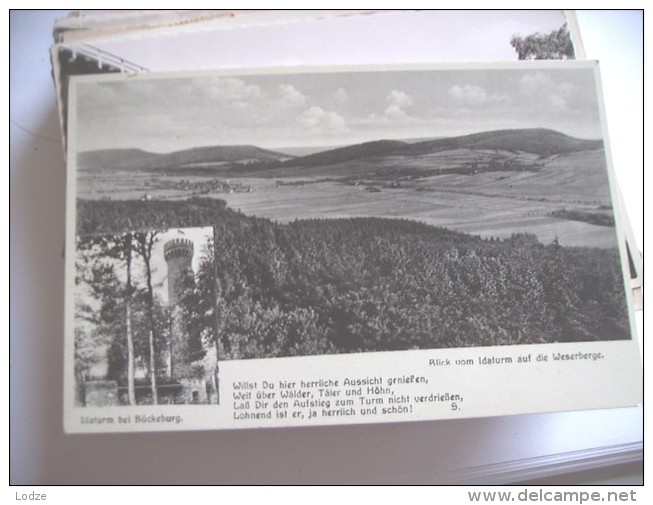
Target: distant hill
539, 141
189, 158
223, 154
114, 158
358, 151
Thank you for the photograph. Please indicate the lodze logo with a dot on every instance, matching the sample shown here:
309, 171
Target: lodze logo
30, 497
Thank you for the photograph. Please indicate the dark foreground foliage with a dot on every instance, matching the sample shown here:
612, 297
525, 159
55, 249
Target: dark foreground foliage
367, 284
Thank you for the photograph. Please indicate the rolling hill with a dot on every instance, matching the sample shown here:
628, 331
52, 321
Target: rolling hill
539, 141
252, 160
137, 159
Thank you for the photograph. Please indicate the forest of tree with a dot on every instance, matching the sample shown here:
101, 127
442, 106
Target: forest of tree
367, 284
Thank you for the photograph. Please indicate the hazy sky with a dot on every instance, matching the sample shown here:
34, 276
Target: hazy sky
320, 109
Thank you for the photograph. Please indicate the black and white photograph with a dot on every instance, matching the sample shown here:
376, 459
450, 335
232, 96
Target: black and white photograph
370, 211
144, 318
273, 215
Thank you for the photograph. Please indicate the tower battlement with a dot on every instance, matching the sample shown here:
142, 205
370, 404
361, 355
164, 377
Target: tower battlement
178, 253
178, 248
185, 346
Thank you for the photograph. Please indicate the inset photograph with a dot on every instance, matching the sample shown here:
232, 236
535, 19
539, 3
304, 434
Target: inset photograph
145, 318
357, 210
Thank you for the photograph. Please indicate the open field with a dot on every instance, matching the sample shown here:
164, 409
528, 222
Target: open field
488, 203
486, 216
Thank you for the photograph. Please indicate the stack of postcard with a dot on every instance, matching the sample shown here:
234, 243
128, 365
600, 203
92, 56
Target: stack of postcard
266, 245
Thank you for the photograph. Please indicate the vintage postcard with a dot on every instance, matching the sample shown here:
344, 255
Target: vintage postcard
133, 42
314, 246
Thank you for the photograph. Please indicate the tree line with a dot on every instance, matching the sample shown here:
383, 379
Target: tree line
367, 284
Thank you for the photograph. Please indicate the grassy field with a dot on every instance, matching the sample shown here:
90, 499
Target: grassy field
477, 214
430, 189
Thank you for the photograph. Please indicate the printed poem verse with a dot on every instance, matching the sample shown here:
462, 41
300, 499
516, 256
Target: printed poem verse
329, 399
378, 397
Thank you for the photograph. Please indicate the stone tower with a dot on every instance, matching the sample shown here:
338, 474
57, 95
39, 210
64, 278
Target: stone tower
178, 254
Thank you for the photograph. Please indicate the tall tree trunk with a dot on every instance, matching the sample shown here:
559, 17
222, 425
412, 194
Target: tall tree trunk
150, 310
131, 390
155, 397
216, 322
146, 242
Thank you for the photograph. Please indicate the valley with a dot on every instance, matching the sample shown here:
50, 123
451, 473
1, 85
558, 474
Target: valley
479, 184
